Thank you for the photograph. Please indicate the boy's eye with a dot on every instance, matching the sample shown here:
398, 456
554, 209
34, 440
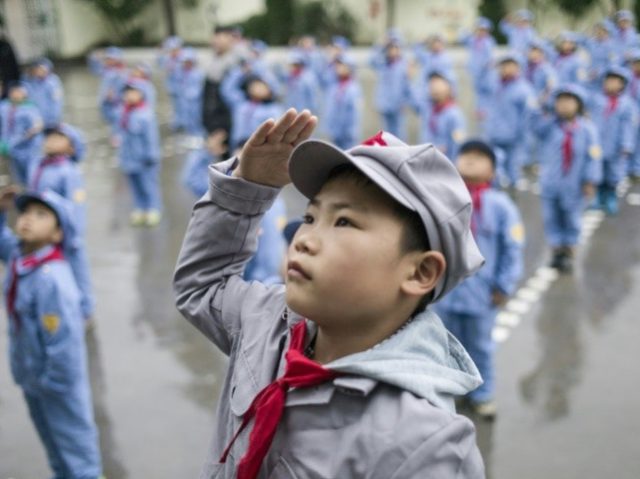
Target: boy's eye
342, 221
307, 219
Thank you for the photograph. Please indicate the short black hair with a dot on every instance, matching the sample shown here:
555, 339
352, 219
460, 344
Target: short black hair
36, 201
414, 235
478, 146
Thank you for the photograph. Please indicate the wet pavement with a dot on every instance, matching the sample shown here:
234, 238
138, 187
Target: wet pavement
568, 381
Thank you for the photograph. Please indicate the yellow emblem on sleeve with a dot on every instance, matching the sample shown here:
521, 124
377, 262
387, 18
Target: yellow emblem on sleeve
51, 323
595, 152
79, 196
281, 222
517, 233
458, 135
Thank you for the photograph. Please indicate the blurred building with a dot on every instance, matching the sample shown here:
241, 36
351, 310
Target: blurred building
69, 28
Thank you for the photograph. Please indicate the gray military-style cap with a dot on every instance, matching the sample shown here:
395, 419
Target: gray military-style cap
419, 177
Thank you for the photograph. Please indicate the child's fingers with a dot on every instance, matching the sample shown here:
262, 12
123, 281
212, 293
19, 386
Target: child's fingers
277, 132
297, 126
306, 131
259, 137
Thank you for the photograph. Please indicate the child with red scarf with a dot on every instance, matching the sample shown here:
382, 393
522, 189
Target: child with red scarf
616, 117
570, 168
46, 332
139, 154
441, 119
469, 311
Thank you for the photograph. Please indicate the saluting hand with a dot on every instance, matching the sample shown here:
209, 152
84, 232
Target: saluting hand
265, 156
8, 195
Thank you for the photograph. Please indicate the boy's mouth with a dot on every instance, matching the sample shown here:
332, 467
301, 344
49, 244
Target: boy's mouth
295, 271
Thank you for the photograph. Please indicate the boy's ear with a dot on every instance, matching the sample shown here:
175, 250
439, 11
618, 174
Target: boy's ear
427, 268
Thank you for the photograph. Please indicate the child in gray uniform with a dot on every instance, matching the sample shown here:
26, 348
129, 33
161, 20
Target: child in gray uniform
344, 371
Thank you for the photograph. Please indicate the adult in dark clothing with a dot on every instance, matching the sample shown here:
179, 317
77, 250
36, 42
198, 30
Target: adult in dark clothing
9, 68
226, 54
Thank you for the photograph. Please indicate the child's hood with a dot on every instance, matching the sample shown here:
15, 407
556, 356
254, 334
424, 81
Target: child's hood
422, 358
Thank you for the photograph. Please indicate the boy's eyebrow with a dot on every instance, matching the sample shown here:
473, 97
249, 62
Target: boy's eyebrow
340, 205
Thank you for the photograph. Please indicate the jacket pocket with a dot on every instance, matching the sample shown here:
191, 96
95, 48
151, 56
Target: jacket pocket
282, 470
243, 387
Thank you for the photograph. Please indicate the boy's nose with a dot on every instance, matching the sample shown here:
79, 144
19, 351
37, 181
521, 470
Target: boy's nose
305, 242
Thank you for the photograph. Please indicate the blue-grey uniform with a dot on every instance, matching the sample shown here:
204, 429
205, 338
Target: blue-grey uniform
393, 92
434, 61
625, 38
189, 102
246, 113
112, 79
47, 351
512, 102
194, 174
633, 56
327, 75
468, 310
518, 36
343, 110
442, 124
170, 63
480, 49
139, 154
62, 175
541, 75
47, 93
145, 75
570, 157
301, 84
616, 117
603, 53
570, 67
20, 126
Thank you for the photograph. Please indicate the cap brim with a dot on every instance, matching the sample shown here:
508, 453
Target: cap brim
24, 199
312, 162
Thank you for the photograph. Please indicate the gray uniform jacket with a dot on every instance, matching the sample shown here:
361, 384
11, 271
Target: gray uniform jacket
390, 415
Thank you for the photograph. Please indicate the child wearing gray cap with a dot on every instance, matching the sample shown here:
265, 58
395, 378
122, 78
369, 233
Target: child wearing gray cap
344, 371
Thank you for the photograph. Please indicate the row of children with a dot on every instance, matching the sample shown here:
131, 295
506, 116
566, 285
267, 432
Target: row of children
48, 290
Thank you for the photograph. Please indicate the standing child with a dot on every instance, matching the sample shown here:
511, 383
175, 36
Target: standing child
45, 90
142, 72
20, 131
251, 100
432, 56
441, 119
616, 117
139, 154
194, 174
633, 58
512, 101
113, 76
469, 311
46, 332
569, 66
392, 89
602, 53
301, 84
480, 46
570, 169
626, 36
190, 94
518, 28
343, 105
170, 64
344, 372
58, 171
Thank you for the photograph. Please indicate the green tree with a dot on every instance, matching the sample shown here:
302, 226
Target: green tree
280, 18
576, 8
495, 11
121, 15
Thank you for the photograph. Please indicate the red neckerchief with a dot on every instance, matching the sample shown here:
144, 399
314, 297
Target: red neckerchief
27, 263
476, 190
506, 81
48, 161
268, 406
128, 108
612, 105
435, 113
533, 66
569, 129
342, 86
296, 71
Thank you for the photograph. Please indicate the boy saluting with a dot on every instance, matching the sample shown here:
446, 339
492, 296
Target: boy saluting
344, 371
